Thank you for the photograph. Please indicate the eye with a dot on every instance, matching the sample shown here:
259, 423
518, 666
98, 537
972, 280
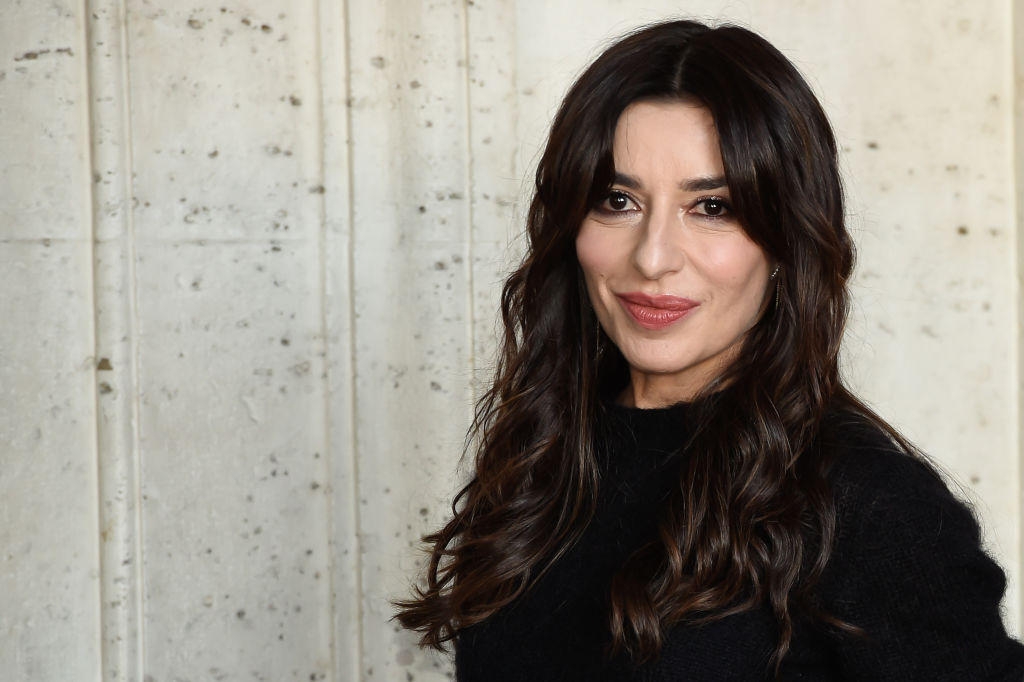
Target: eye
617, 202
712, 207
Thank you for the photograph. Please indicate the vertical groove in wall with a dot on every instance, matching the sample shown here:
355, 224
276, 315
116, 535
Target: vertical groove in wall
471, 195
134, 408
352, 368
322, 289
1017, 88
87, 167
116, 358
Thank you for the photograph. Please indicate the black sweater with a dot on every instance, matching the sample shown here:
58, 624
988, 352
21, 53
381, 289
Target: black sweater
907, 567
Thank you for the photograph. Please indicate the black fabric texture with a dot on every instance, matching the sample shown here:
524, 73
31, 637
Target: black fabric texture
907, 567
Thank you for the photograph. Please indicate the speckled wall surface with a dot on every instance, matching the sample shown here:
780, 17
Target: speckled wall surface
250, 254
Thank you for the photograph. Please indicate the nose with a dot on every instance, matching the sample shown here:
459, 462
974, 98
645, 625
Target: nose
658, 250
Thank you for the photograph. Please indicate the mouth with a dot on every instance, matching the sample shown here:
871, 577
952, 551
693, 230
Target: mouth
655, 312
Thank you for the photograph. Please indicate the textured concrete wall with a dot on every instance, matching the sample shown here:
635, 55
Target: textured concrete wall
249, 260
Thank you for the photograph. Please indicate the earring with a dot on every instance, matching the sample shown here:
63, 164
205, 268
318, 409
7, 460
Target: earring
597, 339
778, 283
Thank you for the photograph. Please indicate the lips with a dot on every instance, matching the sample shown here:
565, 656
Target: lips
656, 312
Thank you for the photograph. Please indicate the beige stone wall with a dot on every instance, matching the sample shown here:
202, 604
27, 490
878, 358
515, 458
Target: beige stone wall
250, 253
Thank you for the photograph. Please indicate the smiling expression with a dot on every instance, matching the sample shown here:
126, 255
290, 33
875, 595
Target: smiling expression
674, 279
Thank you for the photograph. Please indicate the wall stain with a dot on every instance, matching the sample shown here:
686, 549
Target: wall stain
36, 54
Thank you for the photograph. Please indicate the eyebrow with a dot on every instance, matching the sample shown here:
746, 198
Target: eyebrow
702, 184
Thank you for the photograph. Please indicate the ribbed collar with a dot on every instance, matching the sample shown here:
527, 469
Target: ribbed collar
650, 433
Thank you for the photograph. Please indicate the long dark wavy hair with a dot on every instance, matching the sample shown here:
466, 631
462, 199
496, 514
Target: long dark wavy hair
752, 520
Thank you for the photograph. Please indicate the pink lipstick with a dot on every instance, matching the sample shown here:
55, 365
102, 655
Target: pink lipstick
655, 312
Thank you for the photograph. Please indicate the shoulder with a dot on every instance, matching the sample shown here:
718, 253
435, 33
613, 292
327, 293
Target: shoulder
888, 494
908, 567
871, 470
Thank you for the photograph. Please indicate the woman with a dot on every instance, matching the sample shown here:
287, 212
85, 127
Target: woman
672, 481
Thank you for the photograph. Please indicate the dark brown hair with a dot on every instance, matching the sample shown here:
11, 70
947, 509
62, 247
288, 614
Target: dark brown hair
752, 520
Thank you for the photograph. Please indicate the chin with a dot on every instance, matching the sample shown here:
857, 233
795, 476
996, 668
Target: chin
659, 365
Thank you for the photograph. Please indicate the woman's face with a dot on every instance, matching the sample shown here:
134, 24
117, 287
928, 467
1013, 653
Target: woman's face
674, 279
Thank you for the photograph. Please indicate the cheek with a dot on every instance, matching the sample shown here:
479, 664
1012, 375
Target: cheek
588, 251
596, 252
736, 266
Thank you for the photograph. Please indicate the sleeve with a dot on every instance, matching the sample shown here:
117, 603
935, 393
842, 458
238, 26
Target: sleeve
909, 570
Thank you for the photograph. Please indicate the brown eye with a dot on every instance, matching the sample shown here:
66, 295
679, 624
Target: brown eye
713, 207
617, 201
617, 206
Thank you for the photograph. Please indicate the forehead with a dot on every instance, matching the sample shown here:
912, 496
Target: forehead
667, 136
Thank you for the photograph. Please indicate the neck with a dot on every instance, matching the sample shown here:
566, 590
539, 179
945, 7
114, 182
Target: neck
651, 391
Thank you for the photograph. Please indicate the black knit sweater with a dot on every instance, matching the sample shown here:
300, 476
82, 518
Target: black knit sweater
907, 568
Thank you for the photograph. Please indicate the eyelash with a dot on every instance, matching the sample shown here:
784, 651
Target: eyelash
726, 207
700, 201
602, 208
